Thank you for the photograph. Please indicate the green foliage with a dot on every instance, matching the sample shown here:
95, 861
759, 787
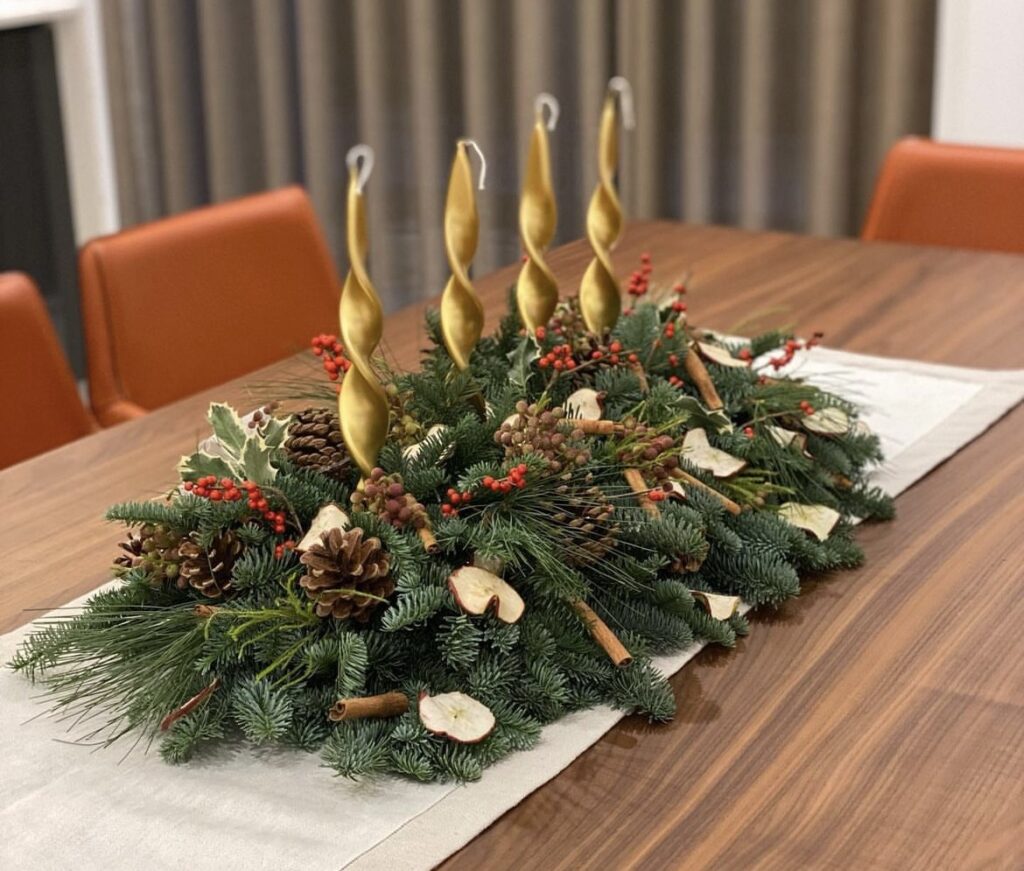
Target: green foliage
139, 652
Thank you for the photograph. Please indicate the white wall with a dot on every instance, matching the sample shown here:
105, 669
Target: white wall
979, 72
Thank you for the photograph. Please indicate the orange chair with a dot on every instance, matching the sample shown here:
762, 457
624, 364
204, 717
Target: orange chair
41, 408
958, 196
181, 304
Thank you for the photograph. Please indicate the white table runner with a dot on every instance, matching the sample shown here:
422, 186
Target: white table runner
64, 806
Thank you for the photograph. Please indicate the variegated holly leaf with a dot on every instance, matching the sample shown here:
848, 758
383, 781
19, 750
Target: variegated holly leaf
520, 361
255, 461
696, 415
200, 464
228, 428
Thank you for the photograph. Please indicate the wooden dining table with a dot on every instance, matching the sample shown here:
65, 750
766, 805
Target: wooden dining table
877, 721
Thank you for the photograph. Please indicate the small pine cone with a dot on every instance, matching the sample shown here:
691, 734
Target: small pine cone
343, 572
315, 442
208, 570
155, 549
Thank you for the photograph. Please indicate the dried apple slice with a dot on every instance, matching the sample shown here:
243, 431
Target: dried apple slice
477, 590
828, 421
720, 607
327, 518
721, 356
697, 450
414, 450
584, 404
456, 716
819, 520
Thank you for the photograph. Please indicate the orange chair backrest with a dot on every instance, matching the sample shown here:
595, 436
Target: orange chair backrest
181, 304
41, 407
958, 196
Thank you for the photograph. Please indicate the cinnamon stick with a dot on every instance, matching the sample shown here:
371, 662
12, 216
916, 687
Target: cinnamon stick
598, 427
729, 505
385, 705
641, 376
191, 704
701, 378
427, 539
635, 479
604, 636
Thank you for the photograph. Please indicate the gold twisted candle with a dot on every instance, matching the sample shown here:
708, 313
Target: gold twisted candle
536, 289
462, 313
600, 301
362, 403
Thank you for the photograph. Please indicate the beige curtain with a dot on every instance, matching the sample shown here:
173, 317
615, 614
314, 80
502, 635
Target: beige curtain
759, 113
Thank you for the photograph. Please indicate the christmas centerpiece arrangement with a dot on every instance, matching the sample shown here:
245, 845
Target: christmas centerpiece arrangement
415, 574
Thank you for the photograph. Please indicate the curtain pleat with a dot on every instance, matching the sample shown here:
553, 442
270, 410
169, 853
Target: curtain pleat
758, 113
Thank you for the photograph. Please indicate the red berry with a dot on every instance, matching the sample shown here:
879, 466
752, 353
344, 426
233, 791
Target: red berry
188, 485
633, 358
615, 346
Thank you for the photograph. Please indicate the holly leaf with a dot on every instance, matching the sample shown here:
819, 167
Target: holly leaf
256, 461
696, 415
520, 360
201, 464
228, 428
275, 430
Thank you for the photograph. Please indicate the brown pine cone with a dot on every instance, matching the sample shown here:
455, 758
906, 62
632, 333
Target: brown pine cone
155, 549
341, 569
208, 570
314, 442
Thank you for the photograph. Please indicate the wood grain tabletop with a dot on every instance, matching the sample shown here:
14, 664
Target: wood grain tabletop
875, 722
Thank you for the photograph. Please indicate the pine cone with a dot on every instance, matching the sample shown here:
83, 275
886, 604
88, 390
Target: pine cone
341, 569
589, 515
155, 549
208, 570
314, 442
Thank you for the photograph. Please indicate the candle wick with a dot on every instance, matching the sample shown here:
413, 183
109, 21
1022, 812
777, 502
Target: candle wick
621, 86
360, 159
472, 143
548, 101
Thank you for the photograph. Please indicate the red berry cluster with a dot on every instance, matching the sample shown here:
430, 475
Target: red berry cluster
790, 349
678, 305
612, 355
455, 499
227, 490
670, 330
558, 358
806, 407
515, 479
332, 351
640, 280
288, 544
